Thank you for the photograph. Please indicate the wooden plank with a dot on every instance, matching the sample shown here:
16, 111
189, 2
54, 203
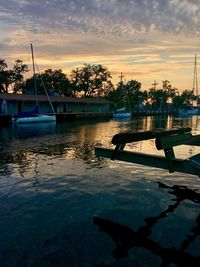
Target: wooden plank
155, 161
176, 140
123, 138
195, 161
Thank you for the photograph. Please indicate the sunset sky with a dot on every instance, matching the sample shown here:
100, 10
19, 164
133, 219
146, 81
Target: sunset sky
146, 40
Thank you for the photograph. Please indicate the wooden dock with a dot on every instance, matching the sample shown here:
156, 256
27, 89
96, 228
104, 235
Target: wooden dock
164, 140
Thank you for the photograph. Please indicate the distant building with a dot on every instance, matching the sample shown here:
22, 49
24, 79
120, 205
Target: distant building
11, 104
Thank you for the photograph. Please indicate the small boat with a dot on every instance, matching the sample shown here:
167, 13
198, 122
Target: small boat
35, 119
188, 112
33, 116
121, 113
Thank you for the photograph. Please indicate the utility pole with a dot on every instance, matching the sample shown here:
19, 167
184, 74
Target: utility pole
154, 85
121, 77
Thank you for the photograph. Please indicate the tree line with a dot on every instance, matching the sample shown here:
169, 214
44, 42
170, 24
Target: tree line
92, 81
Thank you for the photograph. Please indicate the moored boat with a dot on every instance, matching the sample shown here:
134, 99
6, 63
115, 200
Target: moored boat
35, 119
121, 113
33, 116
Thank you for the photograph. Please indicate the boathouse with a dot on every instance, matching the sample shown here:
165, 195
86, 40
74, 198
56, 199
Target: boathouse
65, 107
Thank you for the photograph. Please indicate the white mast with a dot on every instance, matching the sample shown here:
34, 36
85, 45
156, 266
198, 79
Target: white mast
35, 84
195, 81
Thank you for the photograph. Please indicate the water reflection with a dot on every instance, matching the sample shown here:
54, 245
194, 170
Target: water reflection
125, 238
51, 186
76, 140
151, 123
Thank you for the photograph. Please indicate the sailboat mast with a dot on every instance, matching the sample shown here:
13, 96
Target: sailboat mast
195, 84
34, 77
196, 81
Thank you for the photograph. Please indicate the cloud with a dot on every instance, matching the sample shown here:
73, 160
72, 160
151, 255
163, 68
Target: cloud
134, 36
115, 18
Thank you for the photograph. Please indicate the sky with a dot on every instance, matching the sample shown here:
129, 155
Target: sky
146, 40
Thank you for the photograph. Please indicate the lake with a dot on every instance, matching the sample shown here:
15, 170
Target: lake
60, 205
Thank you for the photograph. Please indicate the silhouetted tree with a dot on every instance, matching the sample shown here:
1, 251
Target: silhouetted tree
74, 81
160, 97
12, 78
126, 95
187, 97
91, 79
106, 89
133, 93
55, 81
167, 87
118, 96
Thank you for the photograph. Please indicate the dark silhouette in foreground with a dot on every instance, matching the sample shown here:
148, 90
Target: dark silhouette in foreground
125, 238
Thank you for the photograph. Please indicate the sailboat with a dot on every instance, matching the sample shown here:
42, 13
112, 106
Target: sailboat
193, 110
33, 116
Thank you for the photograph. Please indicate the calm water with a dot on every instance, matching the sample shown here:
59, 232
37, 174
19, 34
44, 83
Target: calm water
52, 186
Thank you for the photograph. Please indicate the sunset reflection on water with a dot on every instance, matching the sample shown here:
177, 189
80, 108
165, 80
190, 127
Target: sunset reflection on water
52, 186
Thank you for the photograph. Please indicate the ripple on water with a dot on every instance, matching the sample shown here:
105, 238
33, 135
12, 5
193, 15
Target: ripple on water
52, 186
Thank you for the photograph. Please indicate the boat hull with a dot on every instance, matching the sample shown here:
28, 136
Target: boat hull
35, 119
188, 112
122, 115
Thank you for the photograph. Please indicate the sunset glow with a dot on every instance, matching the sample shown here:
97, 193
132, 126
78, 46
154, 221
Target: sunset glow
145, 40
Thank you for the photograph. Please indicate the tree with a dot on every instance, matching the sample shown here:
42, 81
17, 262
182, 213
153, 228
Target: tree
198, 100
177, 102
169, 90
54, 81
127, 95
184, 99
145, 99
74, 81
117, 96
91, 79
12, 77
160, 97
187, 97
105, 89
133, 93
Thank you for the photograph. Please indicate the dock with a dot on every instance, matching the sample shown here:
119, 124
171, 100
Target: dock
164, 140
